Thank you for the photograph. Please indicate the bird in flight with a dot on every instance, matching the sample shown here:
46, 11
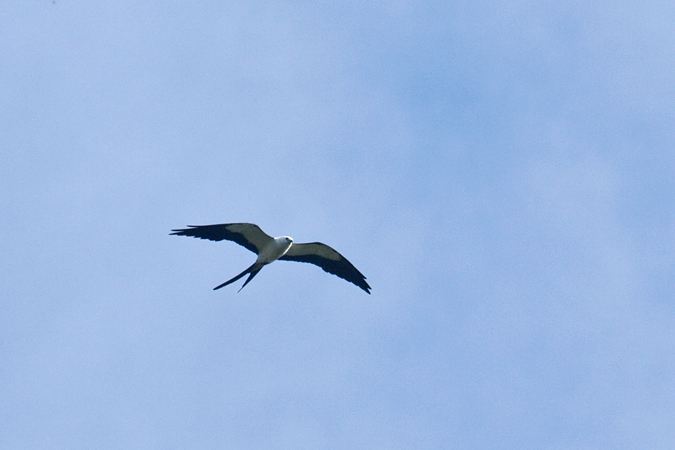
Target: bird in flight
270, 249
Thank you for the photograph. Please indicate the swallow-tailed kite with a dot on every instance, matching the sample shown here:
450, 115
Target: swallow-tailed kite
270, 249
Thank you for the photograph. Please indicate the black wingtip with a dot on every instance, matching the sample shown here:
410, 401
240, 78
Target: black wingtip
183, 231
363, 284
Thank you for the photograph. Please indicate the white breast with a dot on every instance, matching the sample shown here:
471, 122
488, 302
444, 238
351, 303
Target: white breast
275, 249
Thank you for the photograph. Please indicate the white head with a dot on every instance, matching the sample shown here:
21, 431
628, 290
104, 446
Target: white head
285, 243
276, 249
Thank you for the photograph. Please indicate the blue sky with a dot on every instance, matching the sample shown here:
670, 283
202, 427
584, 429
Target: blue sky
501, 172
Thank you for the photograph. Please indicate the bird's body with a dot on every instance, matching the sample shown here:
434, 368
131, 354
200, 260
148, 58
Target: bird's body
270, 249
275, 249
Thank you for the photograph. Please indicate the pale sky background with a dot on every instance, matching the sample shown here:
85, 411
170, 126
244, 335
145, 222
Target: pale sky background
502, 172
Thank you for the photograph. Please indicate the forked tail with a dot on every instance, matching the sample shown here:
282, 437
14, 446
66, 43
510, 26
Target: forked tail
253, 270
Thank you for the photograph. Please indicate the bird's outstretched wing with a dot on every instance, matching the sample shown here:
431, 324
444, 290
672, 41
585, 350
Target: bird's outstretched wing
248, 235
329, 260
